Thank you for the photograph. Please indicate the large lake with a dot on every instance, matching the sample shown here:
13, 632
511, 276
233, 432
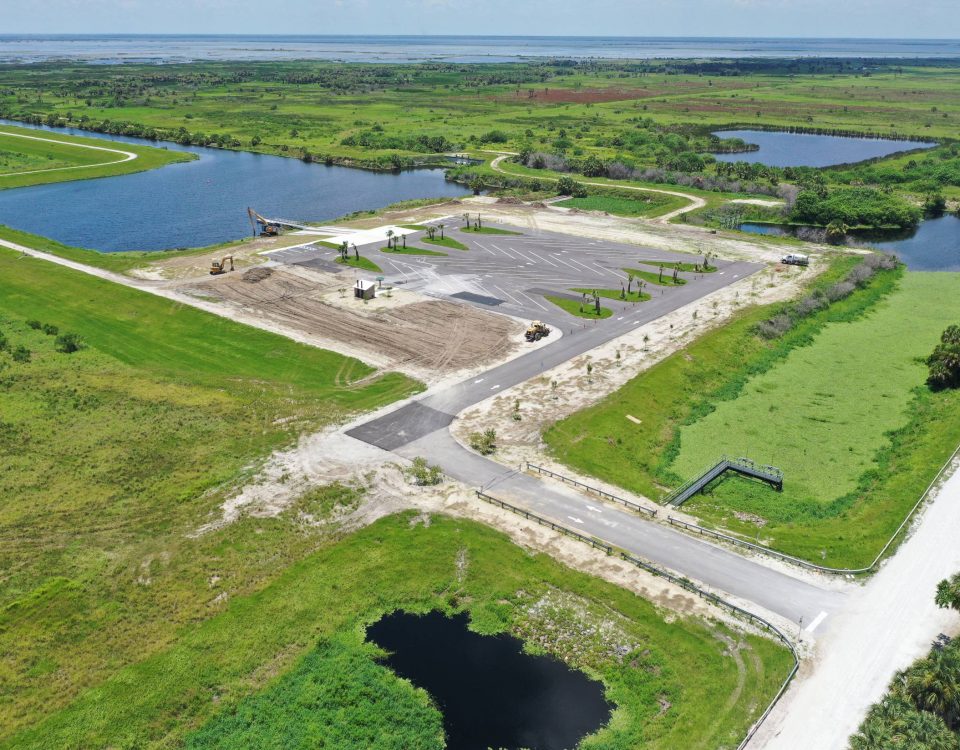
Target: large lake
490, 693
204, 202
120, 48
778, 149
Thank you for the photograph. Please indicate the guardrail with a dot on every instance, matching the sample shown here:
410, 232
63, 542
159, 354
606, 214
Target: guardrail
595, 490
813, 566
684, 583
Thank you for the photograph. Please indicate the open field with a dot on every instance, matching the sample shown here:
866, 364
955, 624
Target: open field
369, 112
113, 452
29, 157
680, 684
867, 476
651, 204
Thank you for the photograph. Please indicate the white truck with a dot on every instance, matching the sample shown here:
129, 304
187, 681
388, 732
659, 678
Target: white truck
796, 259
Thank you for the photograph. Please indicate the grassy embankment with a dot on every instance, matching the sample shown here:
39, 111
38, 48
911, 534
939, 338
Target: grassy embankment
649, 204
839, 403
291, 658
580, 309
113, 454
25, 161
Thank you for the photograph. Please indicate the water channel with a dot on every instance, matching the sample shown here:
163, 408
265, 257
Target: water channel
204, 201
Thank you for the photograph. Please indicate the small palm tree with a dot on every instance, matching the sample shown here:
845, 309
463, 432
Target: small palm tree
389, 238
440, 227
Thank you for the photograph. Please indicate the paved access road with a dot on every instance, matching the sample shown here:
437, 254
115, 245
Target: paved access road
421, 428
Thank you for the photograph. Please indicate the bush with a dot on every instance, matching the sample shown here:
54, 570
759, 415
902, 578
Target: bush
4, 344
944, 363
859, 275
21, 354
484, 442
423, 474
569, 186
50, 329
68, 343
34, 324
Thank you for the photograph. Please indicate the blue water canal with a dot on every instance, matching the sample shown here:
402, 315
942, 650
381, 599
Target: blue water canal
204, 202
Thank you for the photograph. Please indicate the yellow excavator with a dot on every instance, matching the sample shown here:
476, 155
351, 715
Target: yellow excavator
266, 227
220, 266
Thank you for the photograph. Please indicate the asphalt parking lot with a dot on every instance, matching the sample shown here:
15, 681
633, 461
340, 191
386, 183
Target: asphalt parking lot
513, 273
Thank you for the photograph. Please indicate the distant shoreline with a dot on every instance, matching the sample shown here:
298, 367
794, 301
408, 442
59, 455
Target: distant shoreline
183, 48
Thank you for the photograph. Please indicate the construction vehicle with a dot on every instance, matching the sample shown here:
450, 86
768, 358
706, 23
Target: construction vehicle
266, 227
537, 331
796, 259
220, 266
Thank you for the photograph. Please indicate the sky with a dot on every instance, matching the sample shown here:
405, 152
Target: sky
754, 18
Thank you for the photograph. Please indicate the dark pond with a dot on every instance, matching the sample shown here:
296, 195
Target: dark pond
205, 201
933, 246
491, 694
779, 149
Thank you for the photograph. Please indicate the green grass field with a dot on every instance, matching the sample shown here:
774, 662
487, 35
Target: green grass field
26, 161
655, 277
633, 296
112, 454
687, 267
579, 309
362, 262
445, 242
243, 677
651, 204
411, 250
838, 403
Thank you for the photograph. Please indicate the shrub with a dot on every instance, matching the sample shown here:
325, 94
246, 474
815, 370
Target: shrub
50, 329
569, 186
21, 354
68, 343
484, 442
4, 344
944, 363
34, 324
423, 474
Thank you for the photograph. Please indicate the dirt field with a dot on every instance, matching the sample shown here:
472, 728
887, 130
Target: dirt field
404, 331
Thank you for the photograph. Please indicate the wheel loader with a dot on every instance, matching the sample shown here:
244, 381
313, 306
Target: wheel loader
537, 331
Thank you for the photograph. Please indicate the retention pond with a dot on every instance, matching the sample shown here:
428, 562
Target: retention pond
490, 692
204, 202
780, 149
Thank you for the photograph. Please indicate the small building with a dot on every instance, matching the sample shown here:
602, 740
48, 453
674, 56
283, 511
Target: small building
364, 289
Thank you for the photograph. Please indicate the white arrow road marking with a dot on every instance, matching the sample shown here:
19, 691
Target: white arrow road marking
575, 520
493, 388
478, 380
816, 622
595, 510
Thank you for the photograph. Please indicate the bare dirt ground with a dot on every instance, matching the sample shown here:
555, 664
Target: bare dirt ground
423, 337
568, 388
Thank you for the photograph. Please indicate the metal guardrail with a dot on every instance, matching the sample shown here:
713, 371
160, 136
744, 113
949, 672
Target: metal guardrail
596, 490
684, 583
813, 566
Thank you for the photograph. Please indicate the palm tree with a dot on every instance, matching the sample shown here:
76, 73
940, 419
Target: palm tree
874, 734
934, 685
629, 282
948, 590
343, 250
389, 238
440, 227
922, 729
